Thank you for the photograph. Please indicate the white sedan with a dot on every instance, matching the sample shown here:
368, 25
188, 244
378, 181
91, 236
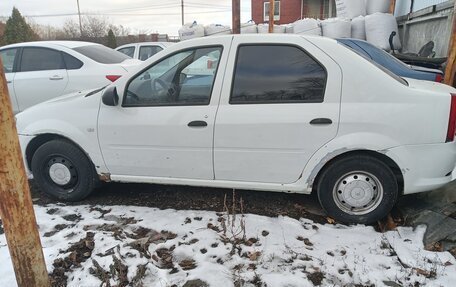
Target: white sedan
39, 71
284, 113
143, 50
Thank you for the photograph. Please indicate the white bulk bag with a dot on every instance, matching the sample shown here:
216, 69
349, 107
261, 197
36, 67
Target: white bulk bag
336, 28
350, 9
249, 28
190, 31
264, 28
289, 28
358, 28
216, 29
377, 6
378, 30
307, 26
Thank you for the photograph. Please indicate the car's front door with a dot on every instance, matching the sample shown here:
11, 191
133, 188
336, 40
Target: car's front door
164, 126
9, 59
41, 76
283, 105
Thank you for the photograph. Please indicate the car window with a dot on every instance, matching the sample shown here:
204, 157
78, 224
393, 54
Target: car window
40, 59
145, 52
355, 47
185, 78
8, 57
102, 54
71, 63
277, 74
129, 51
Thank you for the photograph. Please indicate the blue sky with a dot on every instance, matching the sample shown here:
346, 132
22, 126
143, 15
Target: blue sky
160, 16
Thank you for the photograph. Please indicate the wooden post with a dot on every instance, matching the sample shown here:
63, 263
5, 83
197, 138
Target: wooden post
271, 16
450, 70
16, 209
236, 6
392, 6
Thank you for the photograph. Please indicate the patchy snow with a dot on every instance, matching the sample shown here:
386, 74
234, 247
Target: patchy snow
150, 247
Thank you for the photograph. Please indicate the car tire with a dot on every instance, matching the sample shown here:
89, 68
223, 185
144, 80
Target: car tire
357, 189
63, 171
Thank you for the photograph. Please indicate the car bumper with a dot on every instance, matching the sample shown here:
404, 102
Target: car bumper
24, 140
425, 167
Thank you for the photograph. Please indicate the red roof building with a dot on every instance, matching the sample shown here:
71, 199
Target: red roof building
288, 11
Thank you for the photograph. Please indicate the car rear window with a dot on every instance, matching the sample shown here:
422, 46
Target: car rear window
291, 76
102, 54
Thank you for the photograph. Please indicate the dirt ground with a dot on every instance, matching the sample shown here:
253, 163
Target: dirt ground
196, 198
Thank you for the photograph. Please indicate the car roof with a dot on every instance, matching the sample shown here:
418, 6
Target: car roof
166, 44
67, 44
277, 36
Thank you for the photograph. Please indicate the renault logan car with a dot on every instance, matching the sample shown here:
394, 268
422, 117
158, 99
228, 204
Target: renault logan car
39, 71
283, 113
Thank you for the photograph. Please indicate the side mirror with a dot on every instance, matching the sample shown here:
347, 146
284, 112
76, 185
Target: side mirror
110, 97
182, 78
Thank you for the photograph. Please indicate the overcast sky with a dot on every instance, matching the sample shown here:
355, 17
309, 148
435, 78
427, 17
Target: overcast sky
162, 16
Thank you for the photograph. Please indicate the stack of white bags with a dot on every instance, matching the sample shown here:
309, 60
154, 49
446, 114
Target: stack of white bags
361, 19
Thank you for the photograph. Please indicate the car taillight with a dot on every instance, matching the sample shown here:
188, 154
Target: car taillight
439, 78
113, 78
452, 121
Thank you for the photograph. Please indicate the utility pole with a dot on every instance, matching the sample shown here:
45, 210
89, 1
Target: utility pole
271, 16
182, 12
16, 208
80, 22
236, 6
450, 71
392, 7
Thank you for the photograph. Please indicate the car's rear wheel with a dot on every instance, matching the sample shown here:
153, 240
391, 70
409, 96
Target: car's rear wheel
63, 171
357, 189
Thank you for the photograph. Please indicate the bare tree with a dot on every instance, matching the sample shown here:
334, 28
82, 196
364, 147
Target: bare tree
71, 29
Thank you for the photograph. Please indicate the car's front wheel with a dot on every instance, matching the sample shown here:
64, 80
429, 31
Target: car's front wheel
63, 171
357, 189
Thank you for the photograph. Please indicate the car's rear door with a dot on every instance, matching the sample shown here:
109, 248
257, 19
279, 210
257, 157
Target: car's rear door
41, 76
279, 105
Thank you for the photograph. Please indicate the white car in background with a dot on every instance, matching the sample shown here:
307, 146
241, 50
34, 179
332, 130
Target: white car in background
143, 50
39, 71
284, 113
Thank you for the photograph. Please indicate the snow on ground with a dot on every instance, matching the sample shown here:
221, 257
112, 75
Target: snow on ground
138, 246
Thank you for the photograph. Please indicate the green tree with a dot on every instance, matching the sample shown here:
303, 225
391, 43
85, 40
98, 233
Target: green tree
112, 42
17, 30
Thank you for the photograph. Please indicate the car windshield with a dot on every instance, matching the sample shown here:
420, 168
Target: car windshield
102, 54
391, 74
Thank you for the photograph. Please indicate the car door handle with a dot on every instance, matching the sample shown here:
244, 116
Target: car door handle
321, 121
56, 78
8, 82
196, 124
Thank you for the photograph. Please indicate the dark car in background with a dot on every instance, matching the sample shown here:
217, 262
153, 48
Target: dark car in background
389, 62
